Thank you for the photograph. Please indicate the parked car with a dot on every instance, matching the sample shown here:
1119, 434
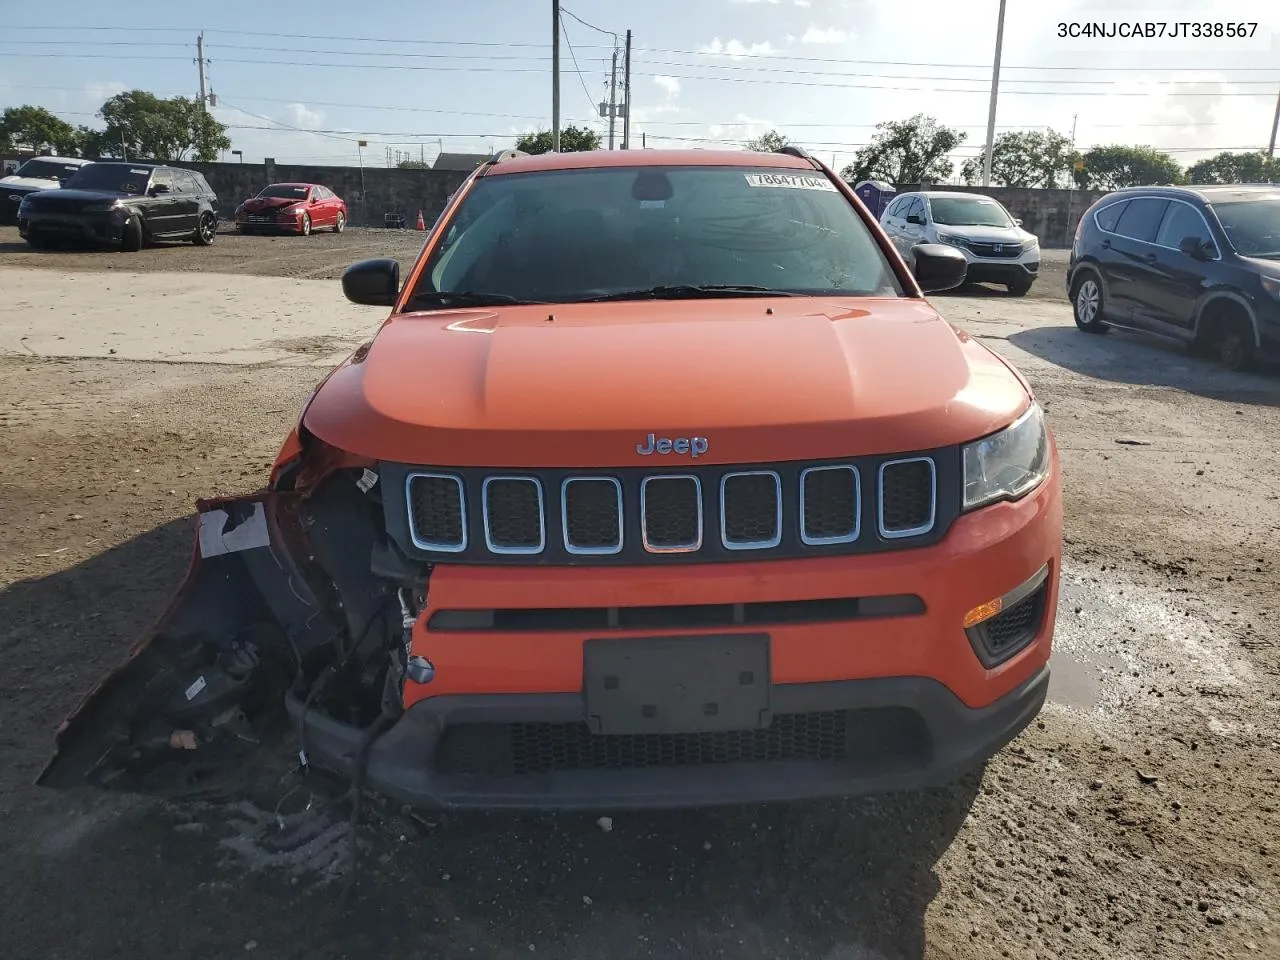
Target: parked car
662, 484
38, 173
1199, 265
292, 208
123, 205
993, 242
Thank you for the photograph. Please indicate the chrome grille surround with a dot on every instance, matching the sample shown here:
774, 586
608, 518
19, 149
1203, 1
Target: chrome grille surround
919, 529
510, 549
564, 518
692, 545
418, 540
760, 544
857, 505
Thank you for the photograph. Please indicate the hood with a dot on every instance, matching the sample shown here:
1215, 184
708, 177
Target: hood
1268, 267
762, 380
29, 183
71, 200
268, 203
988, 234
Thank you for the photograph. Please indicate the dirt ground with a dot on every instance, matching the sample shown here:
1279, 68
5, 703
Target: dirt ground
1138, 818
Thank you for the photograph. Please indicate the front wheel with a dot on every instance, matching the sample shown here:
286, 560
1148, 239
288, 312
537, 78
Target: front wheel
206, 230
305, 227
1235, 348
1086, 304
1018, 288
131, 242
341, 223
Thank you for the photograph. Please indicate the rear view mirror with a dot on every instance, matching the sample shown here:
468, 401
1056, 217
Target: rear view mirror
938, 267
374, 283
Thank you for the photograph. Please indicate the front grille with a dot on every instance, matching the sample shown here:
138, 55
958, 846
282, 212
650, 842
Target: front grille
890, 736
907, 497
710, 513
591, 510
513, 515
750, 510
996, 249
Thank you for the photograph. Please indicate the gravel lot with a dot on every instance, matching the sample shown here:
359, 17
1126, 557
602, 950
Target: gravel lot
1139, 818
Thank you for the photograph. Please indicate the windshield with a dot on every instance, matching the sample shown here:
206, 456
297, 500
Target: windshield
112, 178
968, 212
1252, 226
47, 168
564, 236
285, 190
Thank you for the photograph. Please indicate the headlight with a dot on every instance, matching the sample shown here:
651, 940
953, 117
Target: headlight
1033, 243
1272, 286
1008, 464
105, 207
954, 241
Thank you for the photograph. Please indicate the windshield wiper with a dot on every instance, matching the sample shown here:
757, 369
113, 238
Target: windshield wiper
692, 292
468, 298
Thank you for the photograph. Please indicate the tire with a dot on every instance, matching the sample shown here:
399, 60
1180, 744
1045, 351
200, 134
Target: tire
131, 241
1087, 303
1235, 346
341, 223
305, 229
1018, 288
206, 230
37, 242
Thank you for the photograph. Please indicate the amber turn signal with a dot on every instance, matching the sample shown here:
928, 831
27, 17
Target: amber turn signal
984, 611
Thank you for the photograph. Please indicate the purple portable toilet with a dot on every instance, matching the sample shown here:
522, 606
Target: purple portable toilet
876, 194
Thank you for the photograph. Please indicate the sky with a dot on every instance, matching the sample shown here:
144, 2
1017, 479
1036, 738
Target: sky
413, 78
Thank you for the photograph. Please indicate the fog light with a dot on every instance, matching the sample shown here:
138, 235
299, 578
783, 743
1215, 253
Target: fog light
984, 611
999, 629
420, 670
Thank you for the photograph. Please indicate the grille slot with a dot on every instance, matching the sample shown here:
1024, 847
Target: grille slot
437, 512
830, 505
908, 497
671, 514
591, 512
514, 521
751, 510
873, 738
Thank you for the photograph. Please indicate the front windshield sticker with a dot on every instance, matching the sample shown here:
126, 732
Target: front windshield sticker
789, 180
141, 173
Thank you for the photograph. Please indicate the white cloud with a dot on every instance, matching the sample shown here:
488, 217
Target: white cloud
770, 2
824, 35
744, 127
98, 92
669, 84
736, 48
300, 115
803, 3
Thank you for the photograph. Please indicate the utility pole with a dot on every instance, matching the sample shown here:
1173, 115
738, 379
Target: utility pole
626, 99
991, 112
1071, 174
613, 93
1275, 125
204, 94
555, 76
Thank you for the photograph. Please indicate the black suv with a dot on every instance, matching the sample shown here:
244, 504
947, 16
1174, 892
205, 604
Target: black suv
123, 205
1198, 264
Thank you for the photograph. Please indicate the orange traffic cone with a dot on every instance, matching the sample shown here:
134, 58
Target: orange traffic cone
421, 224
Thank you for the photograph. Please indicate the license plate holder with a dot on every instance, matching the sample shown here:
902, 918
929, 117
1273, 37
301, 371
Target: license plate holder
663, 685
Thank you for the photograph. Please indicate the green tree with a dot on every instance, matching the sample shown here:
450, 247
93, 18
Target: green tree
1228, 167
36, 127
1116, 166
572, 140
770, 142
906, 151
1025, 158
413, 165
152, 128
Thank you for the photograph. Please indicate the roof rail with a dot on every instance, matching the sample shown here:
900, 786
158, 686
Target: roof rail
502, 155
792, 150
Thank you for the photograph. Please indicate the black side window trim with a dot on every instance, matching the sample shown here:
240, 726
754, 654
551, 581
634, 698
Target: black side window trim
1124, 201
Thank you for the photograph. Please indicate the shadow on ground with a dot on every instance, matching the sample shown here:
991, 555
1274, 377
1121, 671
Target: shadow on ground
1136, 358
833, 880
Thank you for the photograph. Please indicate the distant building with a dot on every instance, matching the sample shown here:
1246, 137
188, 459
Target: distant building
465, 162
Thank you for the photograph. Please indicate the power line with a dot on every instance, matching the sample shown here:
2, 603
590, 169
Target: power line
591, 101
590, 26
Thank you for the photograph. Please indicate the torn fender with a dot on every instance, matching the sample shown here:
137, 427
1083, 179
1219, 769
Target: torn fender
201, 687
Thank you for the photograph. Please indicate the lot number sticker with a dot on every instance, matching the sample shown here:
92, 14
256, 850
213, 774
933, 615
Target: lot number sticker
790, 181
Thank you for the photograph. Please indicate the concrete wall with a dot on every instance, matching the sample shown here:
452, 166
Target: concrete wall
1051, 215
385, 190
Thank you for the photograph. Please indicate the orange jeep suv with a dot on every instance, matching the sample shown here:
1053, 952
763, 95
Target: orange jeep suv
662, 484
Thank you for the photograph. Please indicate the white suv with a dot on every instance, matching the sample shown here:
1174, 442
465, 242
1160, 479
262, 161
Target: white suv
994, 243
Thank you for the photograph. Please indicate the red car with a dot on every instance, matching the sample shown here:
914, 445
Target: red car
292, 208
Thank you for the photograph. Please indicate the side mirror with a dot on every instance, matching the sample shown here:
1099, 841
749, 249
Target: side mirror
374, 283
1017, 222
1194, 247
158, 188
938, 267
916, 219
